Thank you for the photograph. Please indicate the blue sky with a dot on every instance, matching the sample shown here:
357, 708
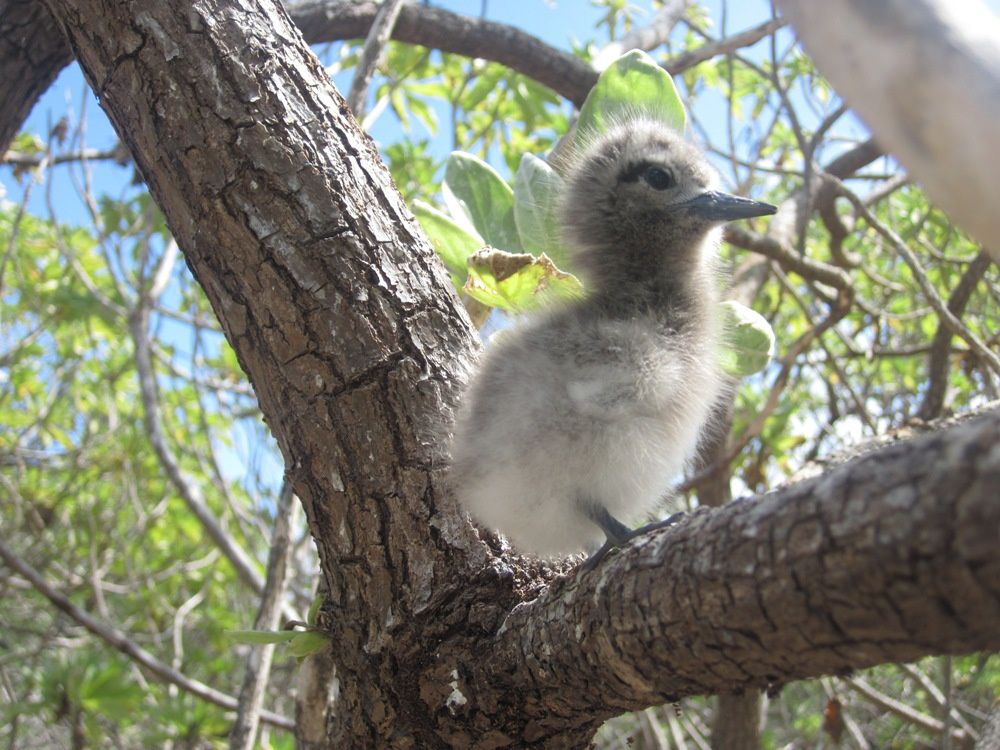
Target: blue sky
555, 21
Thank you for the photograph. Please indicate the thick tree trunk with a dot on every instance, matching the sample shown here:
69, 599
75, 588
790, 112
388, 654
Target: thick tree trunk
356, 345
32, 52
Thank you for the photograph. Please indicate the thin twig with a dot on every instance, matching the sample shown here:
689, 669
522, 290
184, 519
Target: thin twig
935, 694
259, 662
121, 642
653, 34
902, 249
19, 159
831, 360
371, 55
903, 711
186, 488
676, 732
652, 733
803, 265
940, 350
723, 46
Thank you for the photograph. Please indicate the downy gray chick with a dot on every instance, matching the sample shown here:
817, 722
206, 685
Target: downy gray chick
583, 415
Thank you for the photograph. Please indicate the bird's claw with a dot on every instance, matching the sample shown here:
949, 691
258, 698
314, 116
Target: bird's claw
595, 559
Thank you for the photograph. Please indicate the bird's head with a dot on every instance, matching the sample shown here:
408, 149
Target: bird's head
641, 196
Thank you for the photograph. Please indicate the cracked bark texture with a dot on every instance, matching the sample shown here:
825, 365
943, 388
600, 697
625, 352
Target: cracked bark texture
32, 52
356, 346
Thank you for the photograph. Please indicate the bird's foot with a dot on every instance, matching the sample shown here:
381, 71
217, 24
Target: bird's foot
618, 535
669, 521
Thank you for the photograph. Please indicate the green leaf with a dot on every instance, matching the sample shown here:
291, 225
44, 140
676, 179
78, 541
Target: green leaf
485, 198
315, 607
453, 242
261, 636
308, 642
27, 143
516, 281
632, 84
748, 341
537, 188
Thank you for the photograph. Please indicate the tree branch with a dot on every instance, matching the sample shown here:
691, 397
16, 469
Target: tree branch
375, 43
330, 20
723, 46
792, 215
251, 698
803, 265
32, 52
189, 491
324, 21
121, 642
947, 317
653, 34
940, 354
889, 557
907, 713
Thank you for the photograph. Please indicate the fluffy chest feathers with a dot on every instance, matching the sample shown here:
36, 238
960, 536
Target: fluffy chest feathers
566, 410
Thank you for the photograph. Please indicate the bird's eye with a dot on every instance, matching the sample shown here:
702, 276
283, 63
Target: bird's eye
658, 178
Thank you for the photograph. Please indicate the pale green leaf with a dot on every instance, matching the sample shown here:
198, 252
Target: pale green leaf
748, 340
633, 84
453, 242
485, 198
308, 642
537, 188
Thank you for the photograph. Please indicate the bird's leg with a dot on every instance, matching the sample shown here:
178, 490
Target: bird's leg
617, 533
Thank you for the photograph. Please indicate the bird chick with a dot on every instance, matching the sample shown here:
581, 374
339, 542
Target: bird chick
582, 416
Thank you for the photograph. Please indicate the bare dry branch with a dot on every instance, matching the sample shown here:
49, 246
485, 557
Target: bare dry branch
940, 353
375, 43
905, 712
121, 642
326, 21
723, 46
653, 34
185, 486
251, 698
930, 293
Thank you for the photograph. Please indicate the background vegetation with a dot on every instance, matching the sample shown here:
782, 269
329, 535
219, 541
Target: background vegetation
138, 480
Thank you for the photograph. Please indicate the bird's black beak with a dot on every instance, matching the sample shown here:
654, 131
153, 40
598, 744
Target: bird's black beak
715, 206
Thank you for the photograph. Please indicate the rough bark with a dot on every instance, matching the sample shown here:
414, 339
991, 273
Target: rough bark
338, 309
355, 344
885, 558
990, 738
737, 722
32, 52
